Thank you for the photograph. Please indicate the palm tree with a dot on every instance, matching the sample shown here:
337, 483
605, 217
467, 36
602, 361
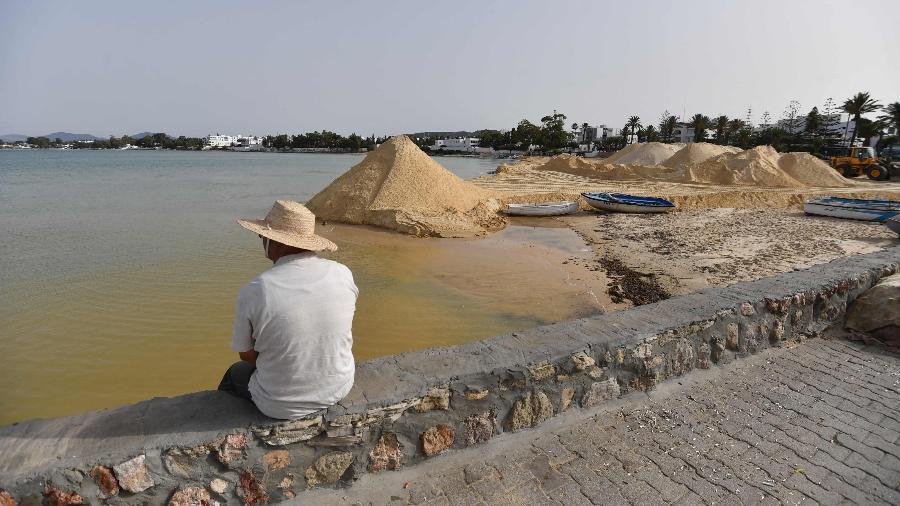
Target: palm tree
856, 106
633, 122
667, 128
868, 128
734, 126
699, 123
891, 116
721, 129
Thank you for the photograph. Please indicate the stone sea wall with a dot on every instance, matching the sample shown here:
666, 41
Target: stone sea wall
210, 448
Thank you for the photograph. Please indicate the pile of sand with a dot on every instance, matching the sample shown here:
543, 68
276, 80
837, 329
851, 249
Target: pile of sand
568, 164
697, 153
811, 171
397, 186
763, 166
645, 153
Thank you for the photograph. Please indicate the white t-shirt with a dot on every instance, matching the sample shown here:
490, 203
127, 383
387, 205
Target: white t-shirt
297, 316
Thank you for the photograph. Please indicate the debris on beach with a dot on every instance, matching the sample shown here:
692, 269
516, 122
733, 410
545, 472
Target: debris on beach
399, 187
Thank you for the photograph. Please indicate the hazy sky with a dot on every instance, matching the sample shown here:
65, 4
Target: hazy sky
197, 67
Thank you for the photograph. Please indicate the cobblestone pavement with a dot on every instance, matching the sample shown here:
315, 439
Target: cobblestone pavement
818, 422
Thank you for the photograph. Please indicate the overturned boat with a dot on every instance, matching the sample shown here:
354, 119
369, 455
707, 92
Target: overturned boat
543, 209
853, 209
624, 203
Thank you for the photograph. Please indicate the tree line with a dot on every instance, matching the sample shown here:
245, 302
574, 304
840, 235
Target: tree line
814, 131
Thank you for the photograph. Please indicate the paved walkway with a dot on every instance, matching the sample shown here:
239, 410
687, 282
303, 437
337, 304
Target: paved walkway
815, 423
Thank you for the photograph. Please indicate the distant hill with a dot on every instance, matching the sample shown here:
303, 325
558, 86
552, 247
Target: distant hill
69, 137
141, 135
13, 137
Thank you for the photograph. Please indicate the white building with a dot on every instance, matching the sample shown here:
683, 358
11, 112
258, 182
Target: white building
227, 141
468, 144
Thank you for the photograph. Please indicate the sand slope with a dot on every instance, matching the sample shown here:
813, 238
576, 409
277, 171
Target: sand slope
697, 153
644, 153
398, 186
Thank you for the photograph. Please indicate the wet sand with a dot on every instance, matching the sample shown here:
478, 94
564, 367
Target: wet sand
687, 250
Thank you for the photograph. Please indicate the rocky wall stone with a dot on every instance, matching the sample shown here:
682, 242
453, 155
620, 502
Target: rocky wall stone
530, 410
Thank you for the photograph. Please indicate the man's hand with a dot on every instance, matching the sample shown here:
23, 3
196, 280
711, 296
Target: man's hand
249, 356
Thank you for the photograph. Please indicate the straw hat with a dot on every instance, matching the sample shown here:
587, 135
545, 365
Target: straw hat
290, 223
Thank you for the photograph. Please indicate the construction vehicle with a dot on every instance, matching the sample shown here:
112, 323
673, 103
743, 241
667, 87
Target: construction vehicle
856, 161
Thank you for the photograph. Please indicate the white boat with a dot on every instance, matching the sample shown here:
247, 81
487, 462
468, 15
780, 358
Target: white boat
544, 209
853, 209
624, 203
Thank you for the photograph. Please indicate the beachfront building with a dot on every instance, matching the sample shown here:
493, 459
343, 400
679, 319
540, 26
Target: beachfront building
683, 133
227, 141
465, 144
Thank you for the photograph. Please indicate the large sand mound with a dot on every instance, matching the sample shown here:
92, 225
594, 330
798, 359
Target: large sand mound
811, 171
761, 166
697, 153
645, 153
569, 164
397, 186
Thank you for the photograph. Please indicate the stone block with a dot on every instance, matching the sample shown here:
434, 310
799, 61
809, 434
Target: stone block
218, 486
133, 475
703, 355
6, 499
181, 462
290, 432
476, 393
231, 448
530, 410
479, 428
565, 398
437, 439
600, 391
192, 496
682, 359
286, 485
57, 497
597, 373
276, 459
387, 454
250, 490
436, 398
731, 336
105, 480
581, 361
328, 468
541, 370
747, 309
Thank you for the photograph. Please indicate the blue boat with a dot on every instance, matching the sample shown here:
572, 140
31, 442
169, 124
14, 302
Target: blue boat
624, 203
853, 209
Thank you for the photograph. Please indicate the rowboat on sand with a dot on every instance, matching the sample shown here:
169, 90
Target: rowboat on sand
853, 209
624, 203
542, 209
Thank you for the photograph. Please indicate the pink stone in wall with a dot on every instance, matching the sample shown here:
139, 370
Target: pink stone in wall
192, 496
57, 497
437, 440
106, 481
6, 499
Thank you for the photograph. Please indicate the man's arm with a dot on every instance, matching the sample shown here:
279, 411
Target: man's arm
249, 356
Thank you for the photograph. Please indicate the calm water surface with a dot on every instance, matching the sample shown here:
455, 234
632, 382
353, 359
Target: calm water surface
119, 270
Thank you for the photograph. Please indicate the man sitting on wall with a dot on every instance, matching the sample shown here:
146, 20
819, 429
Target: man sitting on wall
292, 324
